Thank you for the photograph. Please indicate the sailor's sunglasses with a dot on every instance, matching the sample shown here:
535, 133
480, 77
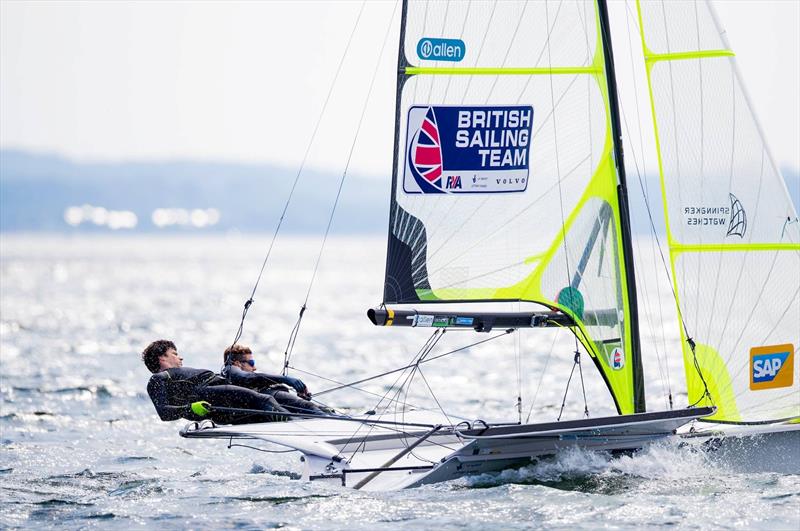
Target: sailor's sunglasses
250, 362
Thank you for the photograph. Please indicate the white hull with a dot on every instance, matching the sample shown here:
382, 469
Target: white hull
770, 448
386, 457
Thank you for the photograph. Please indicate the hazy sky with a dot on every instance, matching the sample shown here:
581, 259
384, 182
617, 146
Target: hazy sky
245, 81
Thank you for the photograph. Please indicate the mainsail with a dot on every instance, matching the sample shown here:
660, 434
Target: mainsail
504, 185
732, 230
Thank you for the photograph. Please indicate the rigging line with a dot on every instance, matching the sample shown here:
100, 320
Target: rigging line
460, 36
480, 49
508, 51
702, 182
647, 202
792, 299
340, 385
296, 331
518, 356
646, 194
541, 375
454, 351
249, 301
435, 399
424, 32
746, 364
737, 284
490, 234
430, 389
391, 388
429, 344
706, 394
418, 369
409, 380
564, 401
584, 24
555, 147
730, 184
441, 32
644, 284
583, 387
541, 51
755, 305
675, 141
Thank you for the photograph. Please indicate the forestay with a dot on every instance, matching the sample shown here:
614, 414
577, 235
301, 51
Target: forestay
504, 186
731, 227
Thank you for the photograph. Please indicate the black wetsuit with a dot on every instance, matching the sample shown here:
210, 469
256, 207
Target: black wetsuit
173, 391
263, 383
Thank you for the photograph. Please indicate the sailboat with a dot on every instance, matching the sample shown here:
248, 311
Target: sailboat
509, 187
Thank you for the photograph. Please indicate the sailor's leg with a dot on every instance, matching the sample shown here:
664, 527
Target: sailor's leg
238, 397
295, 404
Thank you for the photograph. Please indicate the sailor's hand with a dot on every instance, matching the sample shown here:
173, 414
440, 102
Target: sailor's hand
299, 386
279, 387
201, 409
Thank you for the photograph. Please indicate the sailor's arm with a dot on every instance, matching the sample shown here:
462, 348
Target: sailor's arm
157, 389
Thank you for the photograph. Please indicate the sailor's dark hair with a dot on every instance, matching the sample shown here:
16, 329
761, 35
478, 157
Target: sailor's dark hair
155, 350
236, 352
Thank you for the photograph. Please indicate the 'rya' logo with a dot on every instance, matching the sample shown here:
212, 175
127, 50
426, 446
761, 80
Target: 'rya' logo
617, 359
441, 49
771, 367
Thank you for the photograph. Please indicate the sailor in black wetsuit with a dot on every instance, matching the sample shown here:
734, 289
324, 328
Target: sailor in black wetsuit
240, 369
183, 392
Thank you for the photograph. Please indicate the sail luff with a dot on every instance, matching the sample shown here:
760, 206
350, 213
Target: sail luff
624, 214
671, 243
401, 78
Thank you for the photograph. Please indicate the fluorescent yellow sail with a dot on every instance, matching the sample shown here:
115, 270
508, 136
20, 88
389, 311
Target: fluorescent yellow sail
731, 227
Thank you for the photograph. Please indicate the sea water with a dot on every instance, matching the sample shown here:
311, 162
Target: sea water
83, 448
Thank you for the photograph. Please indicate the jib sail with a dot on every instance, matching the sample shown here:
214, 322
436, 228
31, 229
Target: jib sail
732, 230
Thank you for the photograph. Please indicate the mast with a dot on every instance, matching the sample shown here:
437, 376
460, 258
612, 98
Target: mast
625, 221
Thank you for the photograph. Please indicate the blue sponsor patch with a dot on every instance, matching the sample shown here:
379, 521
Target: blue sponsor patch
431, 49
474, 149
771, 367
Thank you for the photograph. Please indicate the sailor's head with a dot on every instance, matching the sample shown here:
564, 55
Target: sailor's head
161, 355
241, 356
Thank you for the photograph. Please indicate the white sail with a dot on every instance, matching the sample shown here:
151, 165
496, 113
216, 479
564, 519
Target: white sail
504, 186
732, 230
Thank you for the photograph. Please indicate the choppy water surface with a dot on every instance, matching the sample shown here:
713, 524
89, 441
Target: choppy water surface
82, 446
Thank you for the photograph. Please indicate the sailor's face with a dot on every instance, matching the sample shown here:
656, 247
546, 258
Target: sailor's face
170, 360
247, 363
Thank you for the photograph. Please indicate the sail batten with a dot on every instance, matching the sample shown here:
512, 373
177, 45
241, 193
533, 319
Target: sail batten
502, 71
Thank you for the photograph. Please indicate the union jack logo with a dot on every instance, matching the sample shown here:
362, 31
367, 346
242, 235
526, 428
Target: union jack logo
617, 359
425, 155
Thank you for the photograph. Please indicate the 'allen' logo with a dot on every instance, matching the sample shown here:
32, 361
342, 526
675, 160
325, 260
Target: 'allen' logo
771, 367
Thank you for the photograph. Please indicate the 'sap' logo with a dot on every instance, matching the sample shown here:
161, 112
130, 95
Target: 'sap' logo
771, 367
